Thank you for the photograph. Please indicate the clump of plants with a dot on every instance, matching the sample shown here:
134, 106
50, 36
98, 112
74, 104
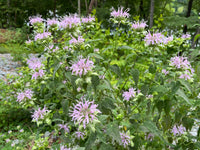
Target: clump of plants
95, 88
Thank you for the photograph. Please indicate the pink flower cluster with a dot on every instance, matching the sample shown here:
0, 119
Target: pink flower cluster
120, 14
62, 147
43, 35
129, 94
126, 139
165, 71
186, 36
36, 65
35, 19
181, 62
51, 22
80, 135
84, 112
157, 38
82, 66
139, 25
70, 21
27, 94
64, 126
76, 41
87, 19
40, 114
178, 130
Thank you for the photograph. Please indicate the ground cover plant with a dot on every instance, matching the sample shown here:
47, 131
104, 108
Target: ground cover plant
119, 88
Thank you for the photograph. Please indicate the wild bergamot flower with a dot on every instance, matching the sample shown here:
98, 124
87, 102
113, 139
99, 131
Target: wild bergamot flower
84, 112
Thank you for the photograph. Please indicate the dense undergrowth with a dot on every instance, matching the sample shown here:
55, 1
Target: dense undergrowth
92, 88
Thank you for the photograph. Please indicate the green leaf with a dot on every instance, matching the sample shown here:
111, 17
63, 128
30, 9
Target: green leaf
175, 86
153, 129
56, 69
135, 74
188, 122
91, 141
95, 56
196, 37
115, 68
113, 131
65, 106
152, 68
106, 147
181, 93
125, 47
95, 81
186, 85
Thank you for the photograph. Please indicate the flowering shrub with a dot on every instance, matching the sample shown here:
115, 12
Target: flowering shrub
119, 89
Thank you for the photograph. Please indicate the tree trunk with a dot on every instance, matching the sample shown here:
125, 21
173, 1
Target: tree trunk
141, 10
86, 6
8, 14
90, 6
188, 14
151, 14
79, 8
54, 9
96, 3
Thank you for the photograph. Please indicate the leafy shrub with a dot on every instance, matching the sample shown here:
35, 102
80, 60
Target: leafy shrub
111, 89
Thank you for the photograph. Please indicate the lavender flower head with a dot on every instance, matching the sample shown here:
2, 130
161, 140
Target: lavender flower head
40, 114
43, 35
186, 36
150, 137
87, 19
51, 22
80, 135
165, 71
34, 63
28, 42
36, 74
126, 139
84, 112
70, 21
64, 126
35, 19
120, 14
129, 94
180, 62
23, 96
153, 39
75, 41
82, 66
139, 25
178, 130
62, 147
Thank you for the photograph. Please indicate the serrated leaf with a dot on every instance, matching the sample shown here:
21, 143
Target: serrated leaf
55, 70
91, 140
115, 68
95, 56
126, 47
135, 74
65, 106
188, 122
182, 94
106, 147
95, 81
152, 68
113, 131
186, 85
153, 129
